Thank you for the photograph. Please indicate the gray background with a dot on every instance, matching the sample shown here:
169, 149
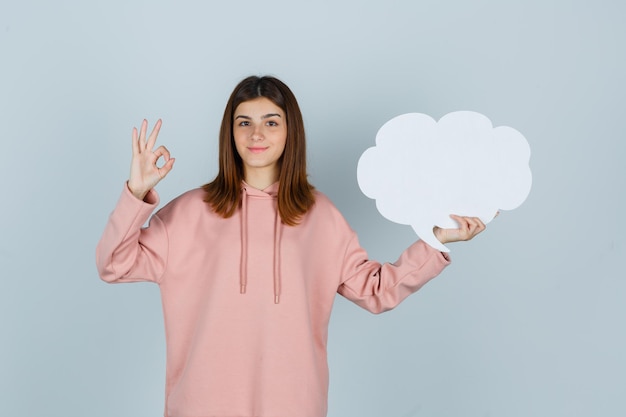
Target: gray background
528, 321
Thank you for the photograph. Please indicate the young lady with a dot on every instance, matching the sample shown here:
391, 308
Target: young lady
249, 265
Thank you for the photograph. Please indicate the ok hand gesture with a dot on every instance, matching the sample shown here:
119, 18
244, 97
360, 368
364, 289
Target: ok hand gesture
144, 171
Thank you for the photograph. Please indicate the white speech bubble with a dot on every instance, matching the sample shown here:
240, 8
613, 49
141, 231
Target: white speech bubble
421, 171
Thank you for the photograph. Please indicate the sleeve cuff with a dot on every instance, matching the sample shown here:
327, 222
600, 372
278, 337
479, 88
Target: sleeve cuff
152, 198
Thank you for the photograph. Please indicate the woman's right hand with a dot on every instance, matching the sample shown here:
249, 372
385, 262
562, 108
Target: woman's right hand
144, 171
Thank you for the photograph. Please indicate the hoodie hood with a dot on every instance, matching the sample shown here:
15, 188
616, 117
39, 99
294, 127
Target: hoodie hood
270, 192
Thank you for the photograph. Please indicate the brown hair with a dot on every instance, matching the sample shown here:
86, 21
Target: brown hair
295, 194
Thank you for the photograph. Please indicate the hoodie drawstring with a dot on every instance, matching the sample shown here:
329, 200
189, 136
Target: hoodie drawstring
243, 262
277, 236
243, 266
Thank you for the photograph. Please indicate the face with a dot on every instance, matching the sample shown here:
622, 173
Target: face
260, 132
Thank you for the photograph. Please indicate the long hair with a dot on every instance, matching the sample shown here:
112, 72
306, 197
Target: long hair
295, 194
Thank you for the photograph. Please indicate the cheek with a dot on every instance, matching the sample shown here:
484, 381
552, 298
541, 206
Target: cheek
282, 146
239, 139
283, 139
239, 145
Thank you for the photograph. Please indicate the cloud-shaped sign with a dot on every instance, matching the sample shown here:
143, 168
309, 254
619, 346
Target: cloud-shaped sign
421, 171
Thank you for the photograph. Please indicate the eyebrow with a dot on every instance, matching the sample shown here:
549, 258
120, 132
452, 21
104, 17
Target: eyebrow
266, 116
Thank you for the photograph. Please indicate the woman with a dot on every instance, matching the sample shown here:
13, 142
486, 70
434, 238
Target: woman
249, 265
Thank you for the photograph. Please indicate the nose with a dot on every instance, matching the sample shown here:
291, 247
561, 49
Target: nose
257, 135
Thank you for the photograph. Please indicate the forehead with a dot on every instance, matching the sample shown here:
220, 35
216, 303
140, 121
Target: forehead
258, 107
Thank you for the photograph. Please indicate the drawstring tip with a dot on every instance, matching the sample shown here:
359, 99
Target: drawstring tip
242, 290
276, 299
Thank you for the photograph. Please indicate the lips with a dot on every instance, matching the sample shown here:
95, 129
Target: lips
257, 149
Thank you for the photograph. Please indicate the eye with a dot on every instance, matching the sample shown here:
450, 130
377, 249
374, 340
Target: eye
244, 123
272, 123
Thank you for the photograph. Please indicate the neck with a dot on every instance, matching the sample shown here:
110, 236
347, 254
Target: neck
261, 179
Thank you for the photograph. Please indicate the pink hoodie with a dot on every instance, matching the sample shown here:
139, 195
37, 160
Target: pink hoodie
247, 300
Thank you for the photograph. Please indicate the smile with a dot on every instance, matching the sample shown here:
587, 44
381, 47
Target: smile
257, 150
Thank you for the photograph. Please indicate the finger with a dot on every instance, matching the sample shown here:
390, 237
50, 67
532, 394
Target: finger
477, 226
474, 225
481, 225
135, 141
165, 169
462, 222
153, 135
162, 151
142, 135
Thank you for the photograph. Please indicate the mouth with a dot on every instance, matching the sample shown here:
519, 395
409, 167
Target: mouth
257, 149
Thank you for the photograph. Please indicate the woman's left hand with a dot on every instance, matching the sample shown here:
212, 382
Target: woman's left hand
468, 228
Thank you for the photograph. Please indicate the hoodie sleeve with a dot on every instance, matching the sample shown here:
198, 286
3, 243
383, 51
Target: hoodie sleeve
128, 252
379, 288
